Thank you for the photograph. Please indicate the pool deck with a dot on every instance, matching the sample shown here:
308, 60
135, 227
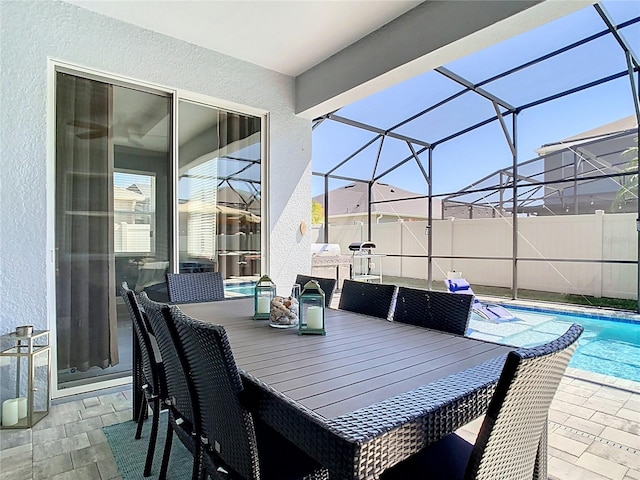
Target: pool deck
594, 433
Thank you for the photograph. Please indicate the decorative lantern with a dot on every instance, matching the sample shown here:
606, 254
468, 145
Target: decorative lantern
265, 291
311, 310
26, 355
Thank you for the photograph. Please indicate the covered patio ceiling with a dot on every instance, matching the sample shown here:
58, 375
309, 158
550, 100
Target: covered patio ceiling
339, 51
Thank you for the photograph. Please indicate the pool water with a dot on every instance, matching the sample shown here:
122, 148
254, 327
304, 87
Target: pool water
609, 346
246, 289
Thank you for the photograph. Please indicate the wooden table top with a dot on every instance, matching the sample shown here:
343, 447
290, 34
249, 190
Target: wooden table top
360, 362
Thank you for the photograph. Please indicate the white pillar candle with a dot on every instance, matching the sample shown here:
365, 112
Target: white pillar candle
263, 304
10, 412
22, 407
314, 317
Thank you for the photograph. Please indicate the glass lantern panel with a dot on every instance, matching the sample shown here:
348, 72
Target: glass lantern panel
14, 374
41, 375
312, 312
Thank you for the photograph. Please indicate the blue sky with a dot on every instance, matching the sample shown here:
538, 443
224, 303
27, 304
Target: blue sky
468, 158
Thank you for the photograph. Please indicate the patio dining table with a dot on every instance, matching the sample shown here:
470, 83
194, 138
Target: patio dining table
365, 396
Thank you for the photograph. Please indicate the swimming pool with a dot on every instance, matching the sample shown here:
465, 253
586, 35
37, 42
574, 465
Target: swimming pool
240, 289
610, 346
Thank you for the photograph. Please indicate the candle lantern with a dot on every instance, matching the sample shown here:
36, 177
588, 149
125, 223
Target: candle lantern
265, 291
25, 378
311, 310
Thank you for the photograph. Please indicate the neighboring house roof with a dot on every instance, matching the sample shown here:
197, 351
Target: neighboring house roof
622, 125
120, 193
351, 200
141, 188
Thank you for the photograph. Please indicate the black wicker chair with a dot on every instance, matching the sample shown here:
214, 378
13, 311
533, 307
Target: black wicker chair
182, 409
512, 440
153, 385
328, 286
234, 445
373, 299
195, 287
441, 311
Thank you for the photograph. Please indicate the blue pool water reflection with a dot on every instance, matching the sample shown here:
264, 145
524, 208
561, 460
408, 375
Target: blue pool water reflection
609, 346
243, 289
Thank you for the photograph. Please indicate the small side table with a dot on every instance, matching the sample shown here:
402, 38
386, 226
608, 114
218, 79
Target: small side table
26, 362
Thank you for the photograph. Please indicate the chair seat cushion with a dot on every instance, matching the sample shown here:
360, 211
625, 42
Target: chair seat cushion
444, 460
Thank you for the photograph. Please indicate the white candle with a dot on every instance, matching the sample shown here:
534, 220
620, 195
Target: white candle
10, 412
22, 407
263, 304
314, 317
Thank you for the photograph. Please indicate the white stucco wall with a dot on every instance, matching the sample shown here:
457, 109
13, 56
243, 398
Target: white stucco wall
32, 32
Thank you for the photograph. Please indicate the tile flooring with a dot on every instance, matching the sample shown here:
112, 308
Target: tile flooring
594, 433
69, 443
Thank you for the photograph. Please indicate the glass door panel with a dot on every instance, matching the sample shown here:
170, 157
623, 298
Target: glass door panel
219, 193
113, 167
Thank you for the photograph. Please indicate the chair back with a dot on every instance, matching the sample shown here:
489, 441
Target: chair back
373, 299
515, 424
328, 286
151, 359
441, 311
195, 287
177, 387
226, 424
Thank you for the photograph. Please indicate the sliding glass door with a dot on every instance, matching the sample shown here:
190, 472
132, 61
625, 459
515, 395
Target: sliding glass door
219, 193
133, 203
112, 221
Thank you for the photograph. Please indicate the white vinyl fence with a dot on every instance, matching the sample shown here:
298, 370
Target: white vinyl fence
580, 237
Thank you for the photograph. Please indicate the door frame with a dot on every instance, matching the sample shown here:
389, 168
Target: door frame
53, 67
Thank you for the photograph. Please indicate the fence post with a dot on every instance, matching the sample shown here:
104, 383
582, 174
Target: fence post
598, 230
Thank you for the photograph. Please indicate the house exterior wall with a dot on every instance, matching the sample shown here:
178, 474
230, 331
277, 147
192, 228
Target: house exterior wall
592, 158
35, 31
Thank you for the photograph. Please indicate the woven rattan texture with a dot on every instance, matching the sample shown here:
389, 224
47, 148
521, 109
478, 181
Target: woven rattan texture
441, 311
153, 373
508, 442
227, 424
177, 387
365, 442
195, 287
328, 286
373, 299
182, 417
150, 364
512, 443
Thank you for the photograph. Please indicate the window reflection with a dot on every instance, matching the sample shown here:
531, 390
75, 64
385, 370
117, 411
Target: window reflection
219, 192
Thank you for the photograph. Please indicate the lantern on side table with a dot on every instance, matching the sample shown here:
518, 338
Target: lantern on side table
311, 310
25, 357
265, 291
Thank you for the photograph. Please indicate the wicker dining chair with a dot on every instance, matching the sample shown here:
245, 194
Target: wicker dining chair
195, 287
375, 299
328, 286
441, 311
183, 410
235, 446
513, 438
153, 384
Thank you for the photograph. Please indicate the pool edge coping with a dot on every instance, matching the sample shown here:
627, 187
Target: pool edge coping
592, 312
604, 380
